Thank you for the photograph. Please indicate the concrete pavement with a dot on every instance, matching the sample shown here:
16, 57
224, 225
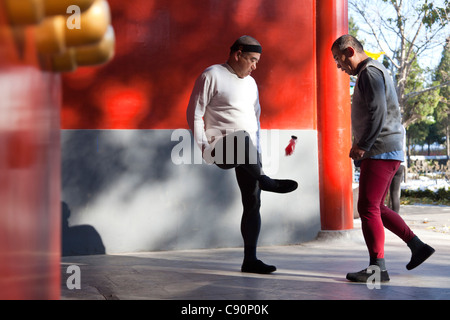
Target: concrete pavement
313, 270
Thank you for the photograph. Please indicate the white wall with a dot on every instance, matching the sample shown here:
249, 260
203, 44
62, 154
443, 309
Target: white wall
125, 185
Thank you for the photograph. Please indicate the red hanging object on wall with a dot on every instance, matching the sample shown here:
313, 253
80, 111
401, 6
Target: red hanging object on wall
291, 146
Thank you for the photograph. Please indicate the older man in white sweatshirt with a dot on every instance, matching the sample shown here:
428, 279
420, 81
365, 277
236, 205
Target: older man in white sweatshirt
223, 114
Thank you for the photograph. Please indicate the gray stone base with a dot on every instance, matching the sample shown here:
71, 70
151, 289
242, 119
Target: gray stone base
350, 234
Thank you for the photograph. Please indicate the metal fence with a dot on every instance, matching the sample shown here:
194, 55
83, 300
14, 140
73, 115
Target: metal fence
435, 168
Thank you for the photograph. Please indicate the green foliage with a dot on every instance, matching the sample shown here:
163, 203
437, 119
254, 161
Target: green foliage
418, 108
353, 29
409, 29
442, 110
441, 196
434, 14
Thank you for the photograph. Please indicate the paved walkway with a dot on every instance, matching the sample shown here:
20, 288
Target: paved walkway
314, 270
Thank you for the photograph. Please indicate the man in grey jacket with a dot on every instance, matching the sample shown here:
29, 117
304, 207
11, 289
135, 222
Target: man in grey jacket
378, 150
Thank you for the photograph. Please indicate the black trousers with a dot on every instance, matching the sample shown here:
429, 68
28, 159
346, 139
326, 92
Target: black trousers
248, 167
394, 189
237, 150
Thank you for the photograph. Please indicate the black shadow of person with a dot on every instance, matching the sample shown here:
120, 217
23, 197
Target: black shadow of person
79, 240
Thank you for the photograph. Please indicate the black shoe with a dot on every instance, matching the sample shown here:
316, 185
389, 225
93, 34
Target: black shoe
363, 276
419, 256
257, 266
275, 185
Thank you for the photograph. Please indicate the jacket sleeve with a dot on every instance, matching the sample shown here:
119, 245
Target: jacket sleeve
372, 87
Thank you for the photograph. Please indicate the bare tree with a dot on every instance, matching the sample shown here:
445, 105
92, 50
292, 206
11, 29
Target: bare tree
404, 30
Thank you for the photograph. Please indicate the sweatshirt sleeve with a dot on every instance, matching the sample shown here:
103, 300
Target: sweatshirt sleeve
258, 115
199, 100
372, 87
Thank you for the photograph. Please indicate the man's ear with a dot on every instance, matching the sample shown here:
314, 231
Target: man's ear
349, 52
237, 54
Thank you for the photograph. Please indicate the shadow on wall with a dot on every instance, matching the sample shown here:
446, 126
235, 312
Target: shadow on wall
124, 184
79, 240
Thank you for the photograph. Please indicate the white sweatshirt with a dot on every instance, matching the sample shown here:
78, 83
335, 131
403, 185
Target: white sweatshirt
222, 103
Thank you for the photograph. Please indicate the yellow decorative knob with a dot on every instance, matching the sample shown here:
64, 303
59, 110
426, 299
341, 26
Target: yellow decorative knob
93, 25
24, 12
50, 35
89, 55
59, 7
55, 34
99, 53
64, 62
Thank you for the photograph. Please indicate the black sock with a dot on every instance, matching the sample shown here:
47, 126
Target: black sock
380, 262
415, 244
250, 253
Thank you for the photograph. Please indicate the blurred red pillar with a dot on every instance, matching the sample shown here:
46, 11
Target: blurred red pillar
334, 128
30, 207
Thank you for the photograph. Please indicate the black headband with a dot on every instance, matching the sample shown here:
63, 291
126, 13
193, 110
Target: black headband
246, 48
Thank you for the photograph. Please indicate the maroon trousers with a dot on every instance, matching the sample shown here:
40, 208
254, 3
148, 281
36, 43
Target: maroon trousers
374, 181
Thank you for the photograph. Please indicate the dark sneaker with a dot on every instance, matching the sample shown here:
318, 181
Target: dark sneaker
363, 276
419, 256
257, 266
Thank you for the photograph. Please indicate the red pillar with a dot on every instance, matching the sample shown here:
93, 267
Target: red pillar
334, 128
30, 207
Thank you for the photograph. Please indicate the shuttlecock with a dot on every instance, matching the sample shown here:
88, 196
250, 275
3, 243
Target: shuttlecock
291, 146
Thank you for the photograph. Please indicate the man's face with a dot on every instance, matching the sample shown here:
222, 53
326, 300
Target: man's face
343, 61
246, 63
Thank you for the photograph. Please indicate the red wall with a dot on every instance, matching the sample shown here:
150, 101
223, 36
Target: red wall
29, 170
162, 46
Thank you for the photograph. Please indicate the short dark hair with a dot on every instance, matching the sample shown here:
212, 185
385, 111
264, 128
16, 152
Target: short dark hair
345, 41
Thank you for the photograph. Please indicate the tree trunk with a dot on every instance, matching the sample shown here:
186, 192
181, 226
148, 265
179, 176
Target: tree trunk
447, 141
